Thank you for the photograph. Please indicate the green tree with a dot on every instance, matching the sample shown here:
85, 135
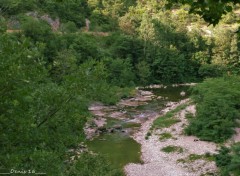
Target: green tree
71, 10
3, 25
146, 32
211, 11
143, 72
41, 119
13, 7
120, 72
69, 27
234, 59
36, 29
93, 165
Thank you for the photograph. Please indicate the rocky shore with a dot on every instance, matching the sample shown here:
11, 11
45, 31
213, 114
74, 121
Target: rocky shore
192, 157
120, 112
159, 163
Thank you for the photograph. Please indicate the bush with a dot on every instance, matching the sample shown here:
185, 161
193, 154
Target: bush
228, 160
210, 70
36, 29
69, 27
120, 72
217, 109
3, 25
223, 158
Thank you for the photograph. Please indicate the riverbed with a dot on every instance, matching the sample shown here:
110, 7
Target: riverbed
125, 119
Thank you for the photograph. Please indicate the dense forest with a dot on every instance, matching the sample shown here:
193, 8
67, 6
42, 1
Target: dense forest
53, 65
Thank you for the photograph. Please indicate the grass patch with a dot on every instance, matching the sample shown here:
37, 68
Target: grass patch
172, 148
164, 122
131, 125
165, 136
189, 116
194, 157
167, 120
206, 156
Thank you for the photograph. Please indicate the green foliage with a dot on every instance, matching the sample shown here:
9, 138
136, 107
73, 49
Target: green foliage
105, 13
217, 109
22, 70
193, 157
172, 148
223, 158
41, 119
164, 136
94, 165
36, 29
229, 18
207, 156
143, 72
79, 46
13, 7
68, 11
125, 46
164, 122
48, 78
228, 160
170, 67
170, 53
226, 50
210, 71
3, 25
64, 63
168, 119
210, 11
120, 72
69, 27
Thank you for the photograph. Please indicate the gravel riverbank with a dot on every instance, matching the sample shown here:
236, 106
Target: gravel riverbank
159, 163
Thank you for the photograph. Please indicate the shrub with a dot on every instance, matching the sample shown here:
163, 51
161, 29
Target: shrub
210, 70
120, 72
3, 25
69, 27
228, 160
217, 109
36, 29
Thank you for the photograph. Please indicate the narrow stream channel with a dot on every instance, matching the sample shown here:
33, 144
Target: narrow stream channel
118, 146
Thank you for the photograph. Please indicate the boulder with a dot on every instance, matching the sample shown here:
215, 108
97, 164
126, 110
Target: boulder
182, 93
145, 93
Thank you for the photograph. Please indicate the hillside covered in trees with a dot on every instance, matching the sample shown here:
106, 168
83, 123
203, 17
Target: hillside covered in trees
57, 57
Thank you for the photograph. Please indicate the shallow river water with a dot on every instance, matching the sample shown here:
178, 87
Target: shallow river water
119, 147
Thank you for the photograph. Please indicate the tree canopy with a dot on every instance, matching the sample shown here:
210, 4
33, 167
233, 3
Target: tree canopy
210, 10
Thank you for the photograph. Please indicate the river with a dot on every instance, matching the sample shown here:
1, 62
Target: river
118, 145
